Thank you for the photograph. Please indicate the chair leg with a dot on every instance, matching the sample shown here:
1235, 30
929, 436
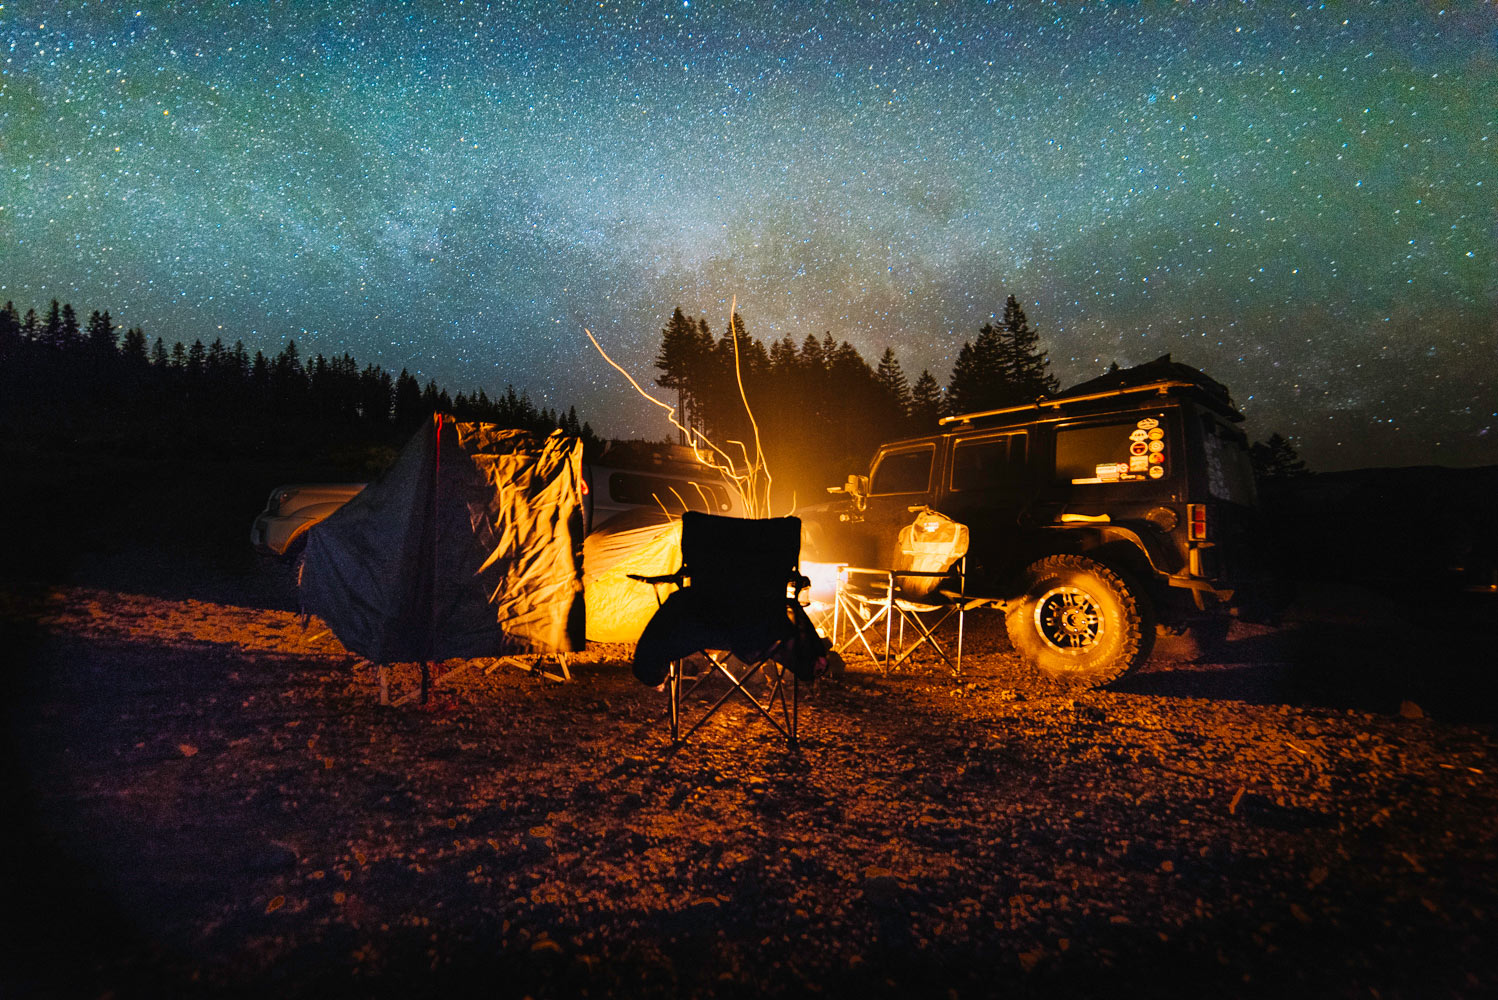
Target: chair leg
961, 614
795, 706
860, 632
928, 637
673, 682
789, 709
889, 623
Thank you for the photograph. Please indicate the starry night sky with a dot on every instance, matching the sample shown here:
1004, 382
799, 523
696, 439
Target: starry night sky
1297, 198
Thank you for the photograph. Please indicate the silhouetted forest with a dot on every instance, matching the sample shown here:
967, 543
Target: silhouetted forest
821, 409
66, 382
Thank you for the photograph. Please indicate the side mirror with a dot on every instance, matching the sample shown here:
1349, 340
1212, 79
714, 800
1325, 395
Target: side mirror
857, 487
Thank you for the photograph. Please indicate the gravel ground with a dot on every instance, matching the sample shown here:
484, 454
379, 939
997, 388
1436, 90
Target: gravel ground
209, 800
215, 802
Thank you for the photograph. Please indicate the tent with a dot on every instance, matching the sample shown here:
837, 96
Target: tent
644, 541
470, 545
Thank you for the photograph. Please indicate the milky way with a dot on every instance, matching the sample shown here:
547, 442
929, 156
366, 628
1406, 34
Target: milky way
1299, 199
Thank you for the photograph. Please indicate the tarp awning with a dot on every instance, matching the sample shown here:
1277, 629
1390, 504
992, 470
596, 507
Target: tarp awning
470, 545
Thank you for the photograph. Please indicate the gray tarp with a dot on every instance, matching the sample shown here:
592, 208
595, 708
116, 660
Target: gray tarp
646, 542
470, 545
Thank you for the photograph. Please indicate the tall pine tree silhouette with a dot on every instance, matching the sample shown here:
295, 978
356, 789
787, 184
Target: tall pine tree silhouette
1026, 366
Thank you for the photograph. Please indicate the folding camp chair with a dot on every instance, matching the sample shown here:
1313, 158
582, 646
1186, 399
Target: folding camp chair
924, 588
735, 602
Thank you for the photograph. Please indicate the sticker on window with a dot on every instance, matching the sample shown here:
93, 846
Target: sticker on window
1111, 453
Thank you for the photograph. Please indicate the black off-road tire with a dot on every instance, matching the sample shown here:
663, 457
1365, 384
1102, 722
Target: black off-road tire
1080, 622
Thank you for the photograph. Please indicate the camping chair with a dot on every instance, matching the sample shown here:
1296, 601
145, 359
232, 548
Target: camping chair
733, 602
926, 582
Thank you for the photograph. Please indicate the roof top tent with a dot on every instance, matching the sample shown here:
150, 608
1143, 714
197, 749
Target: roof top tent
470, 545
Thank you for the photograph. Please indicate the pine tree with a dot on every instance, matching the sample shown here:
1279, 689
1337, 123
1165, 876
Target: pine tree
217, 362
1025, 365
10, 329
925, 402
133, 348
1005, 366
259, 373
966, 390
100, 333
71, 335
679, 362
1277, 459
893, 383
197, 360
408, 415
783, 358
376, 394
52, 328
241, 361
813, 358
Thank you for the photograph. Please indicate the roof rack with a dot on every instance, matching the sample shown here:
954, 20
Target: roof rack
1161, 388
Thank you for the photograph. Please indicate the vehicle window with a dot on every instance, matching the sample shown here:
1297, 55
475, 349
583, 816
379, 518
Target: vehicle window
1230, 473
903, 471
1115, 452
988, 463
674, 495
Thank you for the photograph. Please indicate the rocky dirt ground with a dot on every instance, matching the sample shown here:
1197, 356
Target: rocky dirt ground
210, 800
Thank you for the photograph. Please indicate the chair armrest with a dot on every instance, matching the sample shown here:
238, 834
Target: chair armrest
869, 571
675, 578
864, 571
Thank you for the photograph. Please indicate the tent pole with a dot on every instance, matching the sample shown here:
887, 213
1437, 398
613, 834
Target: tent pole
431, 636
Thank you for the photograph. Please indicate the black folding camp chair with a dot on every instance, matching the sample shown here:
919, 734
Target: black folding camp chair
923, 588
736, 601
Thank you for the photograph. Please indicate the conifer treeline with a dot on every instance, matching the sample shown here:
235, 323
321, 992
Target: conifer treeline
821, 408
92, 373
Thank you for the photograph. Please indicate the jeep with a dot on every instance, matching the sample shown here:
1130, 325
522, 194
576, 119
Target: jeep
1094, 514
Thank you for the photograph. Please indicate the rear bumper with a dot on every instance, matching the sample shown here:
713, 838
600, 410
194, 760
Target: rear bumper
273, 536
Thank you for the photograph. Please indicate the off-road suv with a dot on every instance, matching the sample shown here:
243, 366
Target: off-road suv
1094, 514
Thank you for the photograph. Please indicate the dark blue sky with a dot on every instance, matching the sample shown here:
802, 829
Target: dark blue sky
1297, 198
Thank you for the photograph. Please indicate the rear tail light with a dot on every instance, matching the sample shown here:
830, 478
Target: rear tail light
1197, 513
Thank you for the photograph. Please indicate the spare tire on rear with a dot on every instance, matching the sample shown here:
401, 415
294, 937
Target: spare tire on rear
1080, 621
